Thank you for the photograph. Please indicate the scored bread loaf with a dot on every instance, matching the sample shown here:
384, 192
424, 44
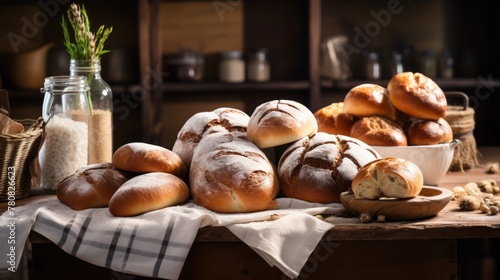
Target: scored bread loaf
278, 122
219, 120
148, 192
91, 186
417, 95
388, 177
143, 158
229, 174
378, 131
318, 168
334, 120
368, 100
428, 132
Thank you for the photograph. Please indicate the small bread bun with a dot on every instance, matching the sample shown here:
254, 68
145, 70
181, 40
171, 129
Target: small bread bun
368, 100
219, 120
318, 168
148, 192
428, 132
417, 95
388, 177
91, 186
143, 158
378, 131
230, 174
280, 122
334, 120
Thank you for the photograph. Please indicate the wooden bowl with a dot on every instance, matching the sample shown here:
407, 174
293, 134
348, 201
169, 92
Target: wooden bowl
428, 203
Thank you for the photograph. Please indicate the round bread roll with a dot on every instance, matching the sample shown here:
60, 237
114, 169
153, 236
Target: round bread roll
148, 192
417, 96
368, 100
334, 120
428, 132
378, 131
91, 186
280, 122
388, 177
143, 158
229, 174
219, 120
320, 167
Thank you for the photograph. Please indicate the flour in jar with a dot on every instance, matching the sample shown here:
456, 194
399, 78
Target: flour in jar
63, 152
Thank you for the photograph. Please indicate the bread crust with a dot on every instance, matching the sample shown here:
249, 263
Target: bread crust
379, 131
318, 168
334, 120
417, 95
367, 100
280, 122
388, 177
428, 132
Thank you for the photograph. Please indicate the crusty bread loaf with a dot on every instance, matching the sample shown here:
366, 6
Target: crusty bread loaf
318, 168
334, 120
368, 100
148, 192
219, 120
143, 158
428, 132
378, 131
417, 95
388, 177
91, 186
280, 122
229, 174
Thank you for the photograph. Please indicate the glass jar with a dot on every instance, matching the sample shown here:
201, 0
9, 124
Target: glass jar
428, 65
396, 64
259, 69
66, 113
100, 99
232, 67
373, 71
446, 65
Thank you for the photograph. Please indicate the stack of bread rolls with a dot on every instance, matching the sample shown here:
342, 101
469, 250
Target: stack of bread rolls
409, 111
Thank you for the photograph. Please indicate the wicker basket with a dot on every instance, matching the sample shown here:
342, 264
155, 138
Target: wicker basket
17, 152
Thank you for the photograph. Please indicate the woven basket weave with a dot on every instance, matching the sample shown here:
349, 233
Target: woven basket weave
17, 152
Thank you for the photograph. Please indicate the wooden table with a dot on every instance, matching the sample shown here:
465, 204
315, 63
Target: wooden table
452, 245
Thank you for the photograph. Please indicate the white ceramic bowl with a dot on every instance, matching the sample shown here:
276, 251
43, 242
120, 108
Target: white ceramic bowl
433, 160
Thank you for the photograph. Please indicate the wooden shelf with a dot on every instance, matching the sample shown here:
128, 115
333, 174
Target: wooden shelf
247, 86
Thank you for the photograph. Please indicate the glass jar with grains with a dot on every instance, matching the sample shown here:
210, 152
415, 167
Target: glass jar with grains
66, 113
232, 67
258, 66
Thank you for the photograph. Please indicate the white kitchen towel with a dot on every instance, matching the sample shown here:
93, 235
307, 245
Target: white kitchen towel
156, 244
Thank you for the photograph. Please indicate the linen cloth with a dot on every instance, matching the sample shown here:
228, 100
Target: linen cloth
156, 244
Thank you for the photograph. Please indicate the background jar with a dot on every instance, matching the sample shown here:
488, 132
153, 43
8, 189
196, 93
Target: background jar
259, 69
372, 66
232, 67
428, 65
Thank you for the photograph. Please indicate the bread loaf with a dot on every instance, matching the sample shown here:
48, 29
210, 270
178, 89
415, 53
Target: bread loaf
229, 174
143, 158
388, 177
280, 122
428, 132
91, 186
148, 192
334, 120
417, 96
368, 100
318, 168
378, 131
219, 120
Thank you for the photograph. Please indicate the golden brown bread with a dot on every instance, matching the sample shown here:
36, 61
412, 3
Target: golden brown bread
230, 174
318, 168
388, 177
368, 100
334, 120
378, 131
143, 158
428, 132
148, 192
417, 95
91, 186
280, 122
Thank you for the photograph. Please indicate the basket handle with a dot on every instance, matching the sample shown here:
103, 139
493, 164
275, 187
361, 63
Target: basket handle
459, 94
